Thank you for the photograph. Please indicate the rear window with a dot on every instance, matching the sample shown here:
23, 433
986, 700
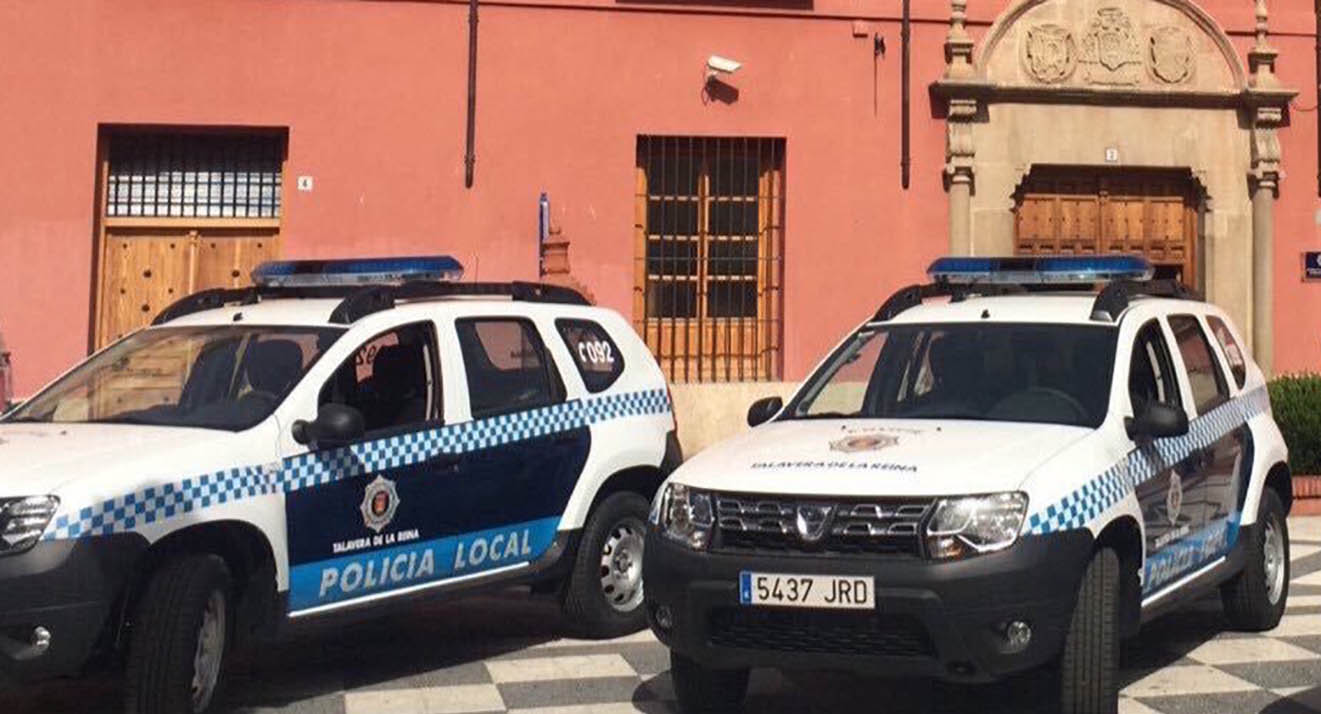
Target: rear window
508, 370
595, 354
1238, 364
1208, 384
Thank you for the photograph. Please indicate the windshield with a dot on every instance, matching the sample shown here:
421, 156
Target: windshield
1044, 373
227, 377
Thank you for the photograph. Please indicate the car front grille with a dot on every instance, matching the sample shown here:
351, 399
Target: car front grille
751, 523
820, 632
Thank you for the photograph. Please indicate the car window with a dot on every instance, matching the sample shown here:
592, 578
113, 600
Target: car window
846, 392
595, 354
1238, 364
217, 377
508, 369
1204, 375
392, 379
1151, 371
1043, 373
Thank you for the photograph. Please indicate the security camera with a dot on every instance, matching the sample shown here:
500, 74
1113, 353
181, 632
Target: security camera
717, 65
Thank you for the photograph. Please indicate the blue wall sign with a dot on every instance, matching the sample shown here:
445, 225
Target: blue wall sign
1312, 265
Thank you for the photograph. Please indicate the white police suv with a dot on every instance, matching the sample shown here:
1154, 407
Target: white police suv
338, 437
1012, 478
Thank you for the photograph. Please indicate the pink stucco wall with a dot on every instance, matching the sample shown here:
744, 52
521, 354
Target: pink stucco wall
373, 96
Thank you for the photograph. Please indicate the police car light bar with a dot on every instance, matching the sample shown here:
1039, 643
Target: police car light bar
1040, 271
357, 271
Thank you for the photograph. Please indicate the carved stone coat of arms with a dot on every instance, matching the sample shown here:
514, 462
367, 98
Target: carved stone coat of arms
1049, 54
1111, 53
1171, 55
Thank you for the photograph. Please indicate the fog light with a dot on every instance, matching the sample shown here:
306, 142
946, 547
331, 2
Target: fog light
664, 618
40, 639
1017, 636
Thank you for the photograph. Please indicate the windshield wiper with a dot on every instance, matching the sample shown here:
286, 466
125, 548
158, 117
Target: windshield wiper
123, 420
828, 415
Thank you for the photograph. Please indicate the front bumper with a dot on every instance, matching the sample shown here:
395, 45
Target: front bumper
68, 588
942, 620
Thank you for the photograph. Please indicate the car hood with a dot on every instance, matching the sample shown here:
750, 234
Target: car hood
41, 458
879, 457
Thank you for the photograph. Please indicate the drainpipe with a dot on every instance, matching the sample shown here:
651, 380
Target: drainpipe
1318, 95
469, 156
905, 163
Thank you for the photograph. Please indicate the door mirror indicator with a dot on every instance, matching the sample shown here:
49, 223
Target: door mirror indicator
335, 425
1157, 421
762, 410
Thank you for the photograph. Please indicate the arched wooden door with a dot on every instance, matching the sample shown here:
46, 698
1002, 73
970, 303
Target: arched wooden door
1098, 211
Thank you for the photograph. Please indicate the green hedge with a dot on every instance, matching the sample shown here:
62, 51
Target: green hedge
1296, 402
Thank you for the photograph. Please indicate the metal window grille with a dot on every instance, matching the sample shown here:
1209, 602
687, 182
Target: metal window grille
179, 174
709, 260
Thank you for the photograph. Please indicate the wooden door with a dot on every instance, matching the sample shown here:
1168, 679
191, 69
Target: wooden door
180, 210
1082, 211
147, 265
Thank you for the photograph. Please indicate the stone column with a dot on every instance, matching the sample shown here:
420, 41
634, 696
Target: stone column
1263, 270
1267, 102
960, 148
959, 156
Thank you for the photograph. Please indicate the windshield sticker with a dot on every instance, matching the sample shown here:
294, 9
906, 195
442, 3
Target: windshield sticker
846, 465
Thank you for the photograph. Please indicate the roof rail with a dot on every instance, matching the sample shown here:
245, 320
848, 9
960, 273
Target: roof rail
913, 295
358, 301
1115, 297
206, 300
366, 301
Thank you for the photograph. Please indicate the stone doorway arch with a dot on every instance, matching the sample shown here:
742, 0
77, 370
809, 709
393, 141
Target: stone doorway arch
1143, 85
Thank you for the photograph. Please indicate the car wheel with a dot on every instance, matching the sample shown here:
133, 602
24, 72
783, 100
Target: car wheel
1088, 666
702, 690
1255, 599
180, 633
604, 595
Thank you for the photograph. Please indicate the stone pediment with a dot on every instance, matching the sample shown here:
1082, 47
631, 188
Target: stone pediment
1102, 46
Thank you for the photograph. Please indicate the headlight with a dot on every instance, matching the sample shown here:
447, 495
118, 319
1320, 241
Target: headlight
23, 520
684, 515
963, 527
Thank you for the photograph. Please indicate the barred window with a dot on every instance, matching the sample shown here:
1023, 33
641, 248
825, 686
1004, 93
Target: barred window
207, 175
709, 225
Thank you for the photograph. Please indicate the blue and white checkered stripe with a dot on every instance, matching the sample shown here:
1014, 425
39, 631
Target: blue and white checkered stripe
311, 469
1115, 483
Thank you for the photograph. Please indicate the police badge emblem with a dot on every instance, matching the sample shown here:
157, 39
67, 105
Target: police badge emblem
864, 442
1174, 499
379, 501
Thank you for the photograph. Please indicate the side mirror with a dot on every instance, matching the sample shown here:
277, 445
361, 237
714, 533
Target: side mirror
763, 409
335, 425
1157, 421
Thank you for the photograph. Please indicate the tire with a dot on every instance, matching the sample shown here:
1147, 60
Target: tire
1255, 598
1088, 681
604, 594
701, 690
185, 595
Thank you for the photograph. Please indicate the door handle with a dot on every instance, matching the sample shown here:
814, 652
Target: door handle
447, 462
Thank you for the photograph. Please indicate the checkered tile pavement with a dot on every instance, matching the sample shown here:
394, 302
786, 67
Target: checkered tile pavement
500, 654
